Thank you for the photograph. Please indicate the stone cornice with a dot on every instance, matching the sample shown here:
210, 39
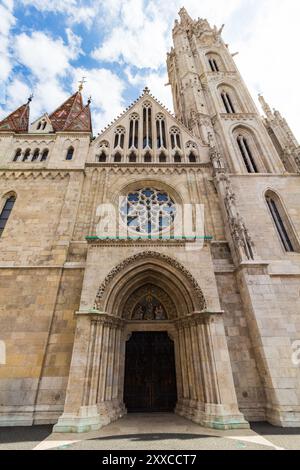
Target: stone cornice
102, 317
170, 165
34, 174
40, 135
205, 316
234, 117
143, 242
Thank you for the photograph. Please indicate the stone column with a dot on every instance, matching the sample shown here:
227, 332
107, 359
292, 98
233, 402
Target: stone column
182, 407
89, 401
179, 378
209, 393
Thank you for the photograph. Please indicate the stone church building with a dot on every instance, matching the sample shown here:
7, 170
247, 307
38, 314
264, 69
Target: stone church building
94, 324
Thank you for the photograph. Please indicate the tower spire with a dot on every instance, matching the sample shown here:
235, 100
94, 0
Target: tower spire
266, 108
184, 16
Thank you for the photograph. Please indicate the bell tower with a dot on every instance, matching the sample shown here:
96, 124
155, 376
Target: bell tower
210, 97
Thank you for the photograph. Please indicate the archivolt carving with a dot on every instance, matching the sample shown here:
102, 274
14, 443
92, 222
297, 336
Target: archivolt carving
158, 293
151, 254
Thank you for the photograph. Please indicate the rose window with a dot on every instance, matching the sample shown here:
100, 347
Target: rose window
148, 211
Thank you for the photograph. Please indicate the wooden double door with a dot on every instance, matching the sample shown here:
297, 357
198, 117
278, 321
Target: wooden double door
150, 378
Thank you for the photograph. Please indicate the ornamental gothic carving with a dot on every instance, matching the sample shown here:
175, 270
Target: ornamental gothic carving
153, 267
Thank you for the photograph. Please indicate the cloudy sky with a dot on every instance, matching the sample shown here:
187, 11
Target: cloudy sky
120, 46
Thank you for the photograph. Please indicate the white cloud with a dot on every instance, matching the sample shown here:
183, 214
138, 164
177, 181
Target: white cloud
47, 61
44, 56
142, 31
268, 57
137, 39
77, 11
106, 90
7, 21
136, 34
156, 82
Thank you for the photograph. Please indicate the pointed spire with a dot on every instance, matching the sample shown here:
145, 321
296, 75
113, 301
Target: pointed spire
82, 122
184, 16
18, 120
266, 108
66, 113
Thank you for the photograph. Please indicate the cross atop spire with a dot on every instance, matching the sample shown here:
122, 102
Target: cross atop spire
81, 83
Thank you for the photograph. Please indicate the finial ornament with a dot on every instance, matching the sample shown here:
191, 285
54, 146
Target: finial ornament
30, 98
89, 100
81, 83
146, 90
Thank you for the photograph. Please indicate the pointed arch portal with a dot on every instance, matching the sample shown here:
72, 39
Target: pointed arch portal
149, 344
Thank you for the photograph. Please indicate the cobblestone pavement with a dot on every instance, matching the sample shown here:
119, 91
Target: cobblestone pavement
156, 431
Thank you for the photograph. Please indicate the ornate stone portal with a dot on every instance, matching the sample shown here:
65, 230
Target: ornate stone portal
147, 299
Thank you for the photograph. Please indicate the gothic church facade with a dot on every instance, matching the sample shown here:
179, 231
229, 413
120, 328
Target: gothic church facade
96, 326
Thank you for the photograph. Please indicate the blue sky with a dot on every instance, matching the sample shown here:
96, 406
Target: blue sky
120, 46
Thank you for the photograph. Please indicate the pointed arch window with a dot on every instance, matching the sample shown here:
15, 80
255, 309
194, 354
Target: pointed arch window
102, 157
39, 125
192, 157
134, 131
6, 211
177, 157
117, 157
35, 155
213, 65
70, 153
246, 153
228, 104
44, 155
132, 157
147, 157
17, 155
162, 157
175, 137
147, 125
44, 125
282, 224
161, 131
119, 137
26, 155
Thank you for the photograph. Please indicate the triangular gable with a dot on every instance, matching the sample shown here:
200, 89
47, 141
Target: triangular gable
36, 127
62, 117
121, 120
82, 122
17, 121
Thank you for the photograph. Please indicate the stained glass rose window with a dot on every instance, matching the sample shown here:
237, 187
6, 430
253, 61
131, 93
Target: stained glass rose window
148, 211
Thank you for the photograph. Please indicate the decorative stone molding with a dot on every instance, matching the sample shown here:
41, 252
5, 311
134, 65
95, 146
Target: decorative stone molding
242, 241
157, 292
102, 317
197, 318
154, 255
8, 175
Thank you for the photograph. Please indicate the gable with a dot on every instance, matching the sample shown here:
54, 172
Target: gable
41, 125
146, 129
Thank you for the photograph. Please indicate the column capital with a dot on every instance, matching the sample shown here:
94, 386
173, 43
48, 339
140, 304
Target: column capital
205, 316
101, 317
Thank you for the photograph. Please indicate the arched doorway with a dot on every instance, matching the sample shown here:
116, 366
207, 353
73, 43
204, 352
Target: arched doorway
150, 377
155, 295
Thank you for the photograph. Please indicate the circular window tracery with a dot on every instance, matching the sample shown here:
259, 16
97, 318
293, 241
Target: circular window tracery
148, 211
